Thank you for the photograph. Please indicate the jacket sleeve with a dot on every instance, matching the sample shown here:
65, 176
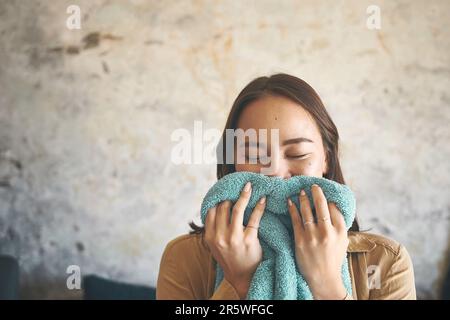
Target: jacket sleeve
183, 277
398, 284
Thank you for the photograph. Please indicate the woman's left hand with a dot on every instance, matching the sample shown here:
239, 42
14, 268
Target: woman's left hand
320, 244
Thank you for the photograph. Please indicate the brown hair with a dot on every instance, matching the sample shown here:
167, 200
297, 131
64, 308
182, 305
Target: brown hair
300, 92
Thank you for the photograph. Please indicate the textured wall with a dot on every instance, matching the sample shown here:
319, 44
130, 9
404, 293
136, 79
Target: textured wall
86, 117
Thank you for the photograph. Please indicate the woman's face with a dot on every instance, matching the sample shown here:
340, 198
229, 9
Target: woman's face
299, 150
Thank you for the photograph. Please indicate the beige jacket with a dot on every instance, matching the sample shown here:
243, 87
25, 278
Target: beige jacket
187, 270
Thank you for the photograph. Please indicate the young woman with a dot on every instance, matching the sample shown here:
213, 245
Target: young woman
380, 268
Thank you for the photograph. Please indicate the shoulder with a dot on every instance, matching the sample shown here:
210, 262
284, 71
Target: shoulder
187, 241
185, 269
383, 267
188, 246
367, 242
379, 249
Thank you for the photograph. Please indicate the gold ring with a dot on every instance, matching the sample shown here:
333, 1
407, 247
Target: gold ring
307, 222
253, 227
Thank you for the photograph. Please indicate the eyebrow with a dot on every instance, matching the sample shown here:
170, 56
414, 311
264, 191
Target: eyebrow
296, 140
285, 142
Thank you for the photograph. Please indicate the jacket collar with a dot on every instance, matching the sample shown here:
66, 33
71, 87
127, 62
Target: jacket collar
359, 243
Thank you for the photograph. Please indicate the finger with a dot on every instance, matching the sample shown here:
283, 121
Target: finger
210, 223
223, 217
337, 219
255, 218
237, 218
305, 210
297, 224
321, 205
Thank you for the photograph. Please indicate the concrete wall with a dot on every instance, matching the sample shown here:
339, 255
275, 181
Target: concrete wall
86, 117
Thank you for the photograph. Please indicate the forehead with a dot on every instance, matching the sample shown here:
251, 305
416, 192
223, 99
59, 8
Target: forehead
276, 112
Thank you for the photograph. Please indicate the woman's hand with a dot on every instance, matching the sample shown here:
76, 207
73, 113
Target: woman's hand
320, 247
236, 248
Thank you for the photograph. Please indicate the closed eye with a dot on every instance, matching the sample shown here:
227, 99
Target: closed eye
295, 157
298, 156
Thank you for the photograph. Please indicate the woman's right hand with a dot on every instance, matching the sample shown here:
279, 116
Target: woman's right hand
235, 248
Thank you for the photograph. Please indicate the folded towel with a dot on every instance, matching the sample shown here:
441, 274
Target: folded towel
277, 276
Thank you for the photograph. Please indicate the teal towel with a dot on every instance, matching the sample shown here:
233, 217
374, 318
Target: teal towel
277, 276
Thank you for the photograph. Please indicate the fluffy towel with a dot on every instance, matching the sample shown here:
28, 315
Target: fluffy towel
277, 276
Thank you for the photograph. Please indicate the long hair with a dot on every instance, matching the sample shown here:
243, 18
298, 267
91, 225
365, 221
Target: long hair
303, 94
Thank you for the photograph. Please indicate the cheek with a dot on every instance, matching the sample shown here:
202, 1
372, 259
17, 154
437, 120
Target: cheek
309, 167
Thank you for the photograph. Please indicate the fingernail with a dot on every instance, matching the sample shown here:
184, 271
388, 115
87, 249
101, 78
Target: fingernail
289, 202
302, 193
262, 200
315, 185
247, 187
